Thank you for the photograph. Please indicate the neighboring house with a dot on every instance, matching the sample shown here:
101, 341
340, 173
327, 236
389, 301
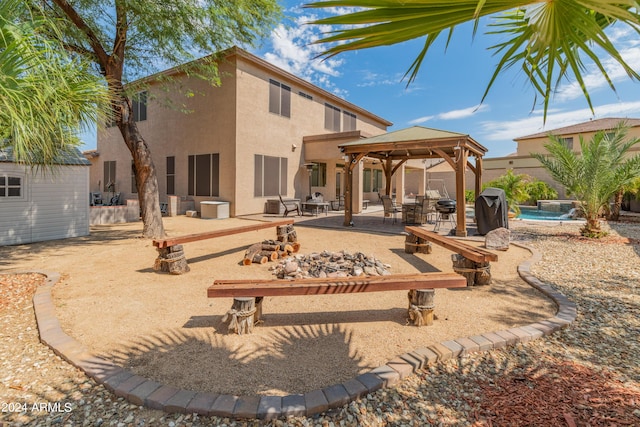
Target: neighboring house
262, 133
40, 203
523, 163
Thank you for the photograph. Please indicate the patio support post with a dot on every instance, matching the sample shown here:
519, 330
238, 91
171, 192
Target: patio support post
348, 191
387, 166
478, 187
461, 166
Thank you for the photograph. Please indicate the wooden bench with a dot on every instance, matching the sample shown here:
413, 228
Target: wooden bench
171, 253
248, 293
472, 262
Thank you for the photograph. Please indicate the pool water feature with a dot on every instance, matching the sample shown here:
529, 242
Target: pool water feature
541, 214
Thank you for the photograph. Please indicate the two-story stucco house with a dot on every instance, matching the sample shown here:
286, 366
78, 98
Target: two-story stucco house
262, 133
523, 162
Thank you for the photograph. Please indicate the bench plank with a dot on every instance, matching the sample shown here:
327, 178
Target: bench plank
327, 286
471, 252
171, 241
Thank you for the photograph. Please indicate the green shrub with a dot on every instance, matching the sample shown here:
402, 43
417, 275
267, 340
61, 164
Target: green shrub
539, 190
470, 196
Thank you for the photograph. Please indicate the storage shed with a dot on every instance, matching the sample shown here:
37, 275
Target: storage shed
38, 203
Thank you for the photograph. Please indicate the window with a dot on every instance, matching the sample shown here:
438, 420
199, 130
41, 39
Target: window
10, 186
204, 175
139, 106
319, 175
377, 180
279, 99
331, 118
171, 175
567, 142
366, 181
348, 121
109, 181
134, 187
305, 95
270, 176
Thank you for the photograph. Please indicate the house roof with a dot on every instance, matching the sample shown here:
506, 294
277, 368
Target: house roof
414, 142
590, 126
68, 158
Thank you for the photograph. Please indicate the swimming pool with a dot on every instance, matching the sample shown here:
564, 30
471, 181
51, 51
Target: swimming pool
540, 214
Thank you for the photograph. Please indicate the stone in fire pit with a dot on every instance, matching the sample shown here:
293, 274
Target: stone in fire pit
330, 264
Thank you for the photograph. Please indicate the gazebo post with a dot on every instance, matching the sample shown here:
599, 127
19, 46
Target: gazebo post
461, 166
348, 191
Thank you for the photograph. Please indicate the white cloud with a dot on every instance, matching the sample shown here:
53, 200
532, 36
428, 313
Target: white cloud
453, 114
626, 42
508, 130
293, 49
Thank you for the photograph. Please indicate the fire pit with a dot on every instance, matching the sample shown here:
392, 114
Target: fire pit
330, 264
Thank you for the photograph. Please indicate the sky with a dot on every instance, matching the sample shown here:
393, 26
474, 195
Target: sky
447, 93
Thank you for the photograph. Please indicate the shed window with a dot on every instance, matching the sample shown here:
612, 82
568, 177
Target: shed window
10, 186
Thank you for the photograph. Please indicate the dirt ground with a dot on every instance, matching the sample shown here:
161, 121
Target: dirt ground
165, 328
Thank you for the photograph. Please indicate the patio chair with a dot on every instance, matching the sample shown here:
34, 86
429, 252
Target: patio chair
289, 206
338, 204
390, 209
425, 209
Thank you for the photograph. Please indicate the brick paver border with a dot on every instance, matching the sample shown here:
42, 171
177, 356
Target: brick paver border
143, 391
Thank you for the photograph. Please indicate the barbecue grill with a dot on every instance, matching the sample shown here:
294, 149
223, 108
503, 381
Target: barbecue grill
446, 206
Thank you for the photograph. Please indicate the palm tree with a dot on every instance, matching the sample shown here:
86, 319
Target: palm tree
545, 38
45, 95
595, 175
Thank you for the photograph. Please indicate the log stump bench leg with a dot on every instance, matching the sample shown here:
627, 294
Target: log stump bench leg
171, 259
421, 307
244, 314
477, 273
413, 244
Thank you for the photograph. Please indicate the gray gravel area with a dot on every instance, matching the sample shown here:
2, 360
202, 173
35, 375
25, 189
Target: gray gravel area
601, 277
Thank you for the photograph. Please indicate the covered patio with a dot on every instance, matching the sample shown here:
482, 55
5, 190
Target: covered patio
395, 149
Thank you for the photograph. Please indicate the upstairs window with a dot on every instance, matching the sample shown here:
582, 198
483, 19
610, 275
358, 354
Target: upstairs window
305, 95
10, 186
279, 98
567, 142
139, 106
331, 118
348, 121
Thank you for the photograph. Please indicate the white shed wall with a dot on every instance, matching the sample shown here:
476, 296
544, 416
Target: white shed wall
55, 205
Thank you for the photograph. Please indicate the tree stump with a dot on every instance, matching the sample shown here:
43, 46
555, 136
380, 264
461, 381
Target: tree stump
483, 273
286, 233
171, 260
421, 306
413, 244
244, 313
476, 273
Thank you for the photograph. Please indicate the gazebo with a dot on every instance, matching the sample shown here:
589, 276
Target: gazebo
394, 149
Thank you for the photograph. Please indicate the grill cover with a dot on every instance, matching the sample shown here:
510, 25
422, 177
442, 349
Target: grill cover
491, 210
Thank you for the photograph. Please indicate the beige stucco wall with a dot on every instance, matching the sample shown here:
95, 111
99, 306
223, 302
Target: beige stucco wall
536, 145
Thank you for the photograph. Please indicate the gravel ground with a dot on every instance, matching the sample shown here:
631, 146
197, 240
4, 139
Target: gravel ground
587, 374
